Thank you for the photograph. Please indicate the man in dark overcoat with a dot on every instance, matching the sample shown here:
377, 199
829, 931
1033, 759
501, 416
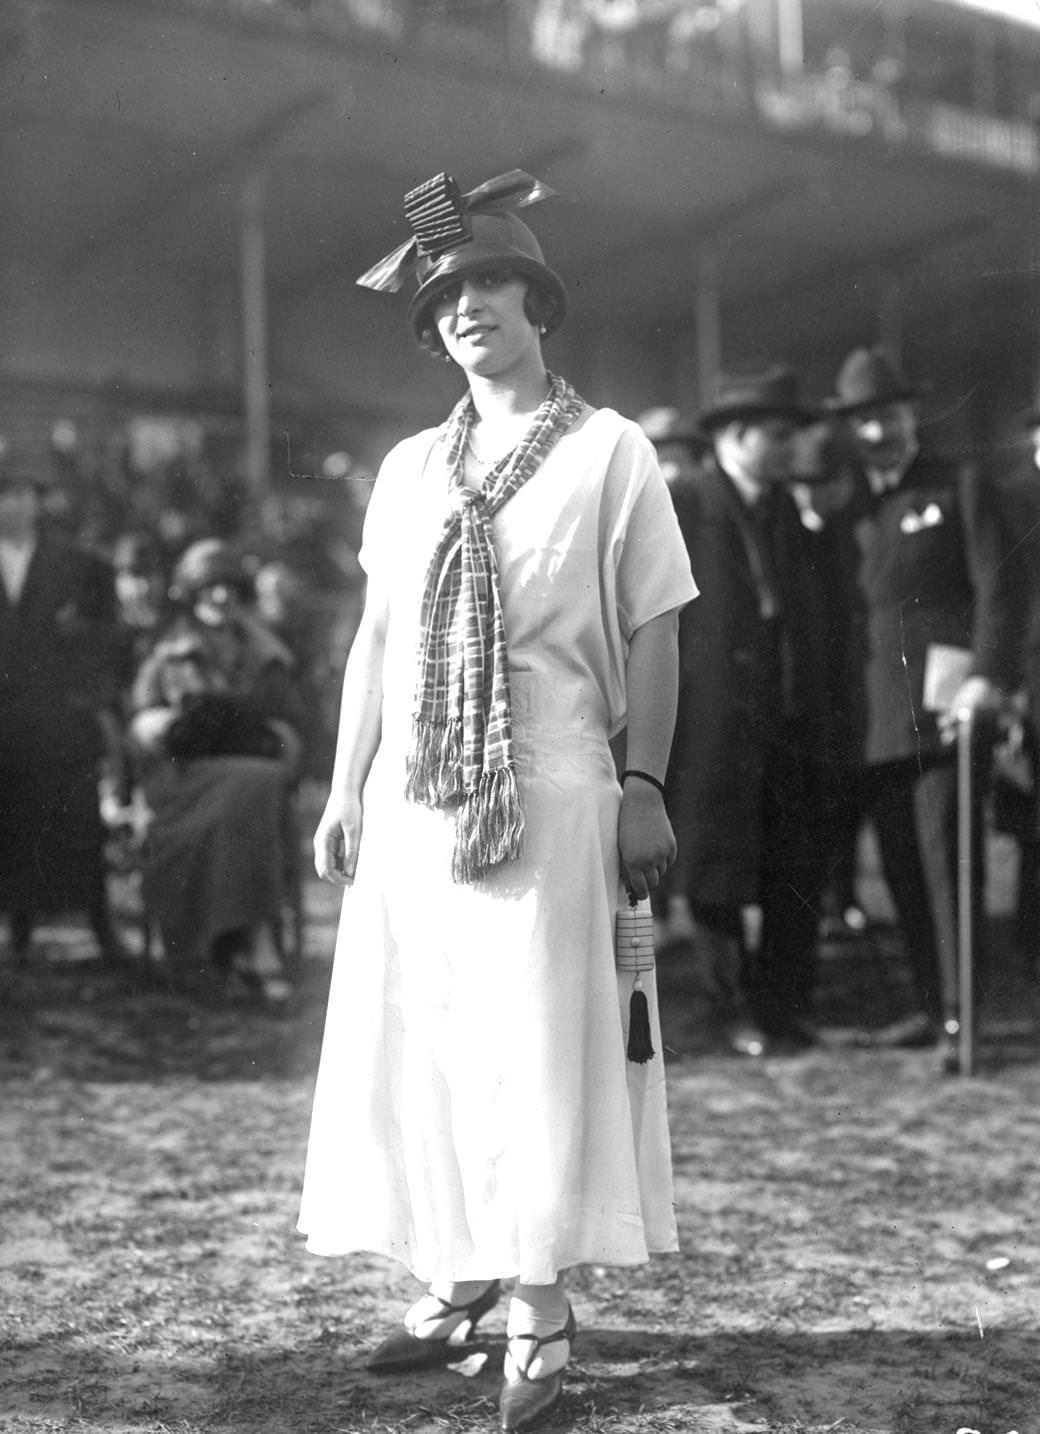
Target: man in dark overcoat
752, 689
1018, 494
681, 446
57, 644
932, 584
1017, 480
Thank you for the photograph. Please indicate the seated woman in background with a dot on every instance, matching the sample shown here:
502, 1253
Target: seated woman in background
215, 743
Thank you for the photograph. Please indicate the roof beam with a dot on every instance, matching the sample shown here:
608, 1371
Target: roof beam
713, 225
899, 258
238, 157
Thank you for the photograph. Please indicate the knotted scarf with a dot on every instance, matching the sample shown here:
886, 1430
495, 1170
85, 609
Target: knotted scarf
461, 752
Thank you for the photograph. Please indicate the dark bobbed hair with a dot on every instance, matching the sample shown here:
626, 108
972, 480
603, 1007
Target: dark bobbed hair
542, 307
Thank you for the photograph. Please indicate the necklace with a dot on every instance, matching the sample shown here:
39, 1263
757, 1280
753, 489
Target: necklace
479, 458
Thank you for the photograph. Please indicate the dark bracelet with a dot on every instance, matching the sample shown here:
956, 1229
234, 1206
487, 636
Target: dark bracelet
644, 776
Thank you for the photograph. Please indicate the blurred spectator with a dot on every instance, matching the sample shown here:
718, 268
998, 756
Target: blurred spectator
215, 732
681, 448
1018, 489
287, 609
825, 483
279, 593
679, 444
310, 587
741, 781
57, 686
930, 581
142, 598
177, 528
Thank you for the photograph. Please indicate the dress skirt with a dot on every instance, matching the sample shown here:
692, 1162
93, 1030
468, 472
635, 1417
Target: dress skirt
214, 857
475, 1115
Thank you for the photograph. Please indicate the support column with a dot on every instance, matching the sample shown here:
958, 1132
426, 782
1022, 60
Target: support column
890, 313
709, 321
256, 389
790, 37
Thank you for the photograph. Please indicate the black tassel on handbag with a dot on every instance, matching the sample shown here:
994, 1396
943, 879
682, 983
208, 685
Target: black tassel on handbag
634, 952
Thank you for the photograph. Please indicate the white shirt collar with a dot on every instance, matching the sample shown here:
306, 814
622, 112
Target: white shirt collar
14, 566
750, 491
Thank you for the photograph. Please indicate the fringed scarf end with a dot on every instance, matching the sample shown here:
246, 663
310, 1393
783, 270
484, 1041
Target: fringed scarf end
489, 826
434, 764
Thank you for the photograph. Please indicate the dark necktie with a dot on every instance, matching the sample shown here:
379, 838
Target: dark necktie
763, 518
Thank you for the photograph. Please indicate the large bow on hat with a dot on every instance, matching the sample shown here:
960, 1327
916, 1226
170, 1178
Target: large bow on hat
438, 214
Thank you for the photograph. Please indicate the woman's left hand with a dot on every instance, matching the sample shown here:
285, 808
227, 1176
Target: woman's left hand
645, 838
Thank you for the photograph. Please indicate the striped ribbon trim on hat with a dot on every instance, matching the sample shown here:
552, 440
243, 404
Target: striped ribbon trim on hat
462, 743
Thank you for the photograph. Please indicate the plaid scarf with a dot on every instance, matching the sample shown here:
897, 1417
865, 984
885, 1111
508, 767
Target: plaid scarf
461, 752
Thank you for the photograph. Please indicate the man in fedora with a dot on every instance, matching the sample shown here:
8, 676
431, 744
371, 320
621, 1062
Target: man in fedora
741, 777
681, 447
932, 592
678, 442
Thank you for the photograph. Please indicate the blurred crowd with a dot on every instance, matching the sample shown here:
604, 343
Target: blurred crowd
868, 604
863, 595
171, 654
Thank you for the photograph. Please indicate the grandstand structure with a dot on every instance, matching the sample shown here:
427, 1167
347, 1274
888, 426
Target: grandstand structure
193, 186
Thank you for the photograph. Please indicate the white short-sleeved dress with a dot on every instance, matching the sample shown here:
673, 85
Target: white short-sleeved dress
475, 1115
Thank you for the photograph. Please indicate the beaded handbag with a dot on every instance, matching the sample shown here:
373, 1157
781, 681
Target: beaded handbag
634, 955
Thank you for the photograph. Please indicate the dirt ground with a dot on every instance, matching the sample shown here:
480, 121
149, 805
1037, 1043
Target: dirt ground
860, 1239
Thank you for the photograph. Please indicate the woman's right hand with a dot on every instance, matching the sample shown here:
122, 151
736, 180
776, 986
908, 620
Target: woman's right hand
338, 839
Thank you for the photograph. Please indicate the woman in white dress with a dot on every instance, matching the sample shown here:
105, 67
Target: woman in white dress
475, 1115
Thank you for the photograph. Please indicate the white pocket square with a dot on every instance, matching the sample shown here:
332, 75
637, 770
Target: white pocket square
930, 517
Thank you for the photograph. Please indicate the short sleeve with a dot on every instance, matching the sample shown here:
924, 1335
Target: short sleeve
652, 563
380, 535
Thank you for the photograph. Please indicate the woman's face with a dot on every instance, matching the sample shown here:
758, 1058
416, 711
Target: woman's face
886, 435
216, 604
482, 323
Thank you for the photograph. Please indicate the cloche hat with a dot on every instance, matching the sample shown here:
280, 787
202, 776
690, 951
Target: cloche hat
204, 564
869, 378
769, 393
455, 234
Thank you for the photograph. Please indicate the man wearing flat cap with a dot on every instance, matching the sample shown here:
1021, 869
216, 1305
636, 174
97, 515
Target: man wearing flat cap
932, 589
751, 691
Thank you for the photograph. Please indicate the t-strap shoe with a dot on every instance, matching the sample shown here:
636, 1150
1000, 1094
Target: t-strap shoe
404, 1352
524, 1401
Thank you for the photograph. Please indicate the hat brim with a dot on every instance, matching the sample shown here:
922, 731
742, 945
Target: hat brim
842, 406
685, 437
723, 413
473, 258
